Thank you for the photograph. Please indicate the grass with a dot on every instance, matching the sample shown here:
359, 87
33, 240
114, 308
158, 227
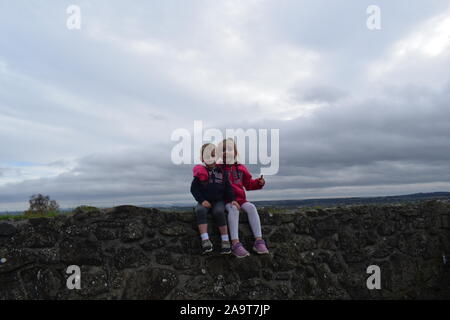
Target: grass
48, 214
86, 209
28, 215
276, 210
311, 208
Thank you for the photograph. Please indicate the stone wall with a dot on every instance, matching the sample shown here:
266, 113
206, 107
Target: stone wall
135, 253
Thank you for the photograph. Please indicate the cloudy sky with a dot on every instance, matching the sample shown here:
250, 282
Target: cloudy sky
86, 115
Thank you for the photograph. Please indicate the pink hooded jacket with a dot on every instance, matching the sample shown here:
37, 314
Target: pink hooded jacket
241, 180
200, 172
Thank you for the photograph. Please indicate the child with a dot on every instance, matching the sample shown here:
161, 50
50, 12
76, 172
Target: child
211, 187
240, 178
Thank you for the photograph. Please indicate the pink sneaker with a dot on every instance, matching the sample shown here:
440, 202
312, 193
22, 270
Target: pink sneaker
260, 247
239, 250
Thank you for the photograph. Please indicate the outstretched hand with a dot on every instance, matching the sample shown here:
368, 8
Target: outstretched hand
261, 180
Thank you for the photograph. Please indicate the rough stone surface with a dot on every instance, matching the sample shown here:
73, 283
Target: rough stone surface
128, 252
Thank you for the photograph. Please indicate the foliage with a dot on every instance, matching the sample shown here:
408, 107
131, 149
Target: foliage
41, 205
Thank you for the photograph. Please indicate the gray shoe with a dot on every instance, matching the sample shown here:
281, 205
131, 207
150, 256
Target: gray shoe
206, 246
226, 247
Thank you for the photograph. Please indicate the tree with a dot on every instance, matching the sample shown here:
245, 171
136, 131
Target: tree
40, 204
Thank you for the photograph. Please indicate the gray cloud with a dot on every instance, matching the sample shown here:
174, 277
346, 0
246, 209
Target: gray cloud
91, 112
320, 94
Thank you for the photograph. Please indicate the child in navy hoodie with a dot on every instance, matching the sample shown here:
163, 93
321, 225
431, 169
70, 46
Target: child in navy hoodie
211, 188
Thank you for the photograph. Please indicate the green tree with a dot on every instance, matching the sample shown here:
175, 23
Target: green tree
41, 205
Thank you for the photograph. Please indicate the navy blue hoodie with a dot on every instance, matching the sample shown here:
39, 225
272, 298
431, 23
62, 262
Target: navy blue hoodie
211, 184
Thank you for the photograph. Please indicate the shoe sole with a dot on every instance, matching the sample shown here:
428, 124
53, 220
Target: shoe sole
240, 257
254, 249
207, 251
229, 252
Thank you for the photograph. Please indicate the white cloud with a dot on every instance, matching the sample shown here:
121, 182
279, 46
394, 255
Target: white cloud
422, 57
103, 100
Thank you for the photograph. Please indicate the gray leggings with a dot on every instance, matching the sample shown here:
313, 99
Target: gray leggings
217, 210
253, 219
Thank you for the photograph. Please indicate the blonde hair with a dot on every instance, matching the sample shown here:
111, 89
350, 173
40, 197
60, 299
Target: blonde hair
224, 144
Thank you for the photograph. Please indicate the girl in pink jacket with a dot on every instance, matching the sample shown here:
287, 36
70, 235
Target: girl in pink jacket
241, 180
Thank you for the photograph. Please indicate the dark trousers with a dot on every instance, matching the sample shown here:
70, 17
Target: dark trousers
217, 210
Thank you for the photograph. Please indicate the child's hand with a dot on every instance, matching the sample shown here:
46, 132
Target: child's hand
236, 204
206, 204
261, 181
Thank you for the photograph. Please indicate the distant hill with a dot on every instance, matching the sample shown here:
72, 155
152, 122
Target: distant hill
331, 202
408, 198
324, 202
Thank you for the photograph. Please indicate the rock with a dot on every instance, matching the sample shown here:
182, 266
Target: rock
409, 212
127, 211
284, 259
170, 217
187, 217
42, 283
282, 234
39, 239
354, 255
37, 233
80, 252
303, 225
336, 263
84, 212
110, 224
216, 265
106, 233
154, 219
386, 229
94, 281
283, 276
231, 290
254, 289
133, 232
128, 257
153, 244
325, 227
287, 217
128, 252
150, 233
172, 230
7, 230
188, 263
382, 250
329, 243
164, 257
150, 283
246, 269
413, 244
78, 230
304, 243
11, 288
16, 259
48, 255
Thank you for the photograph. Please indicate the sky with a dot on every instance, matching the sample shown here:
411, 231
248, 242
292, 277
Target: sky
86, 115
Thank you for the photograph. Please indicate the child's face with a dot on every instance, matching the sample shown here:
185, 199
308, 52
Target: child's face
209, 158
228, 153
